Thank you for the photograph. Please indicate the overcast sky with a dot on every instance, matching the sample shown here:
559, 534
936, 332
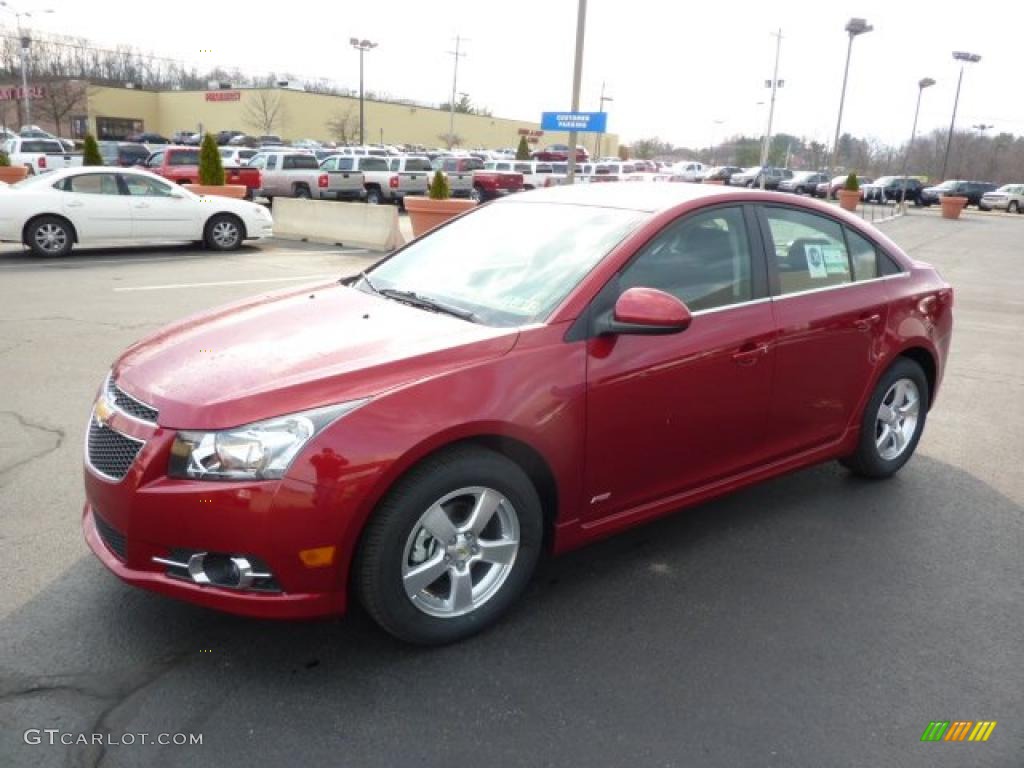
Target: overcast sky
673, 68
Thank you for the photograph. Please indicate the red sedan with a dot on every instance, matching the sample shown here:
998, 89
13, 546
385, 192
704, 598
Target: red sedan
541, 372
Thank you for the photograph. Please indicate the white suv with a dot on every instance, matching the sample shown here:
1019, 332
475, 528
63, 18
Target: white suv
1009, 198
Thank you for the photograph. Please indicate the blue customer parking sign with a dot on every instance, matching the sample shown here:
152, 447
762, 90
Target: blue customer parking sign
581, 122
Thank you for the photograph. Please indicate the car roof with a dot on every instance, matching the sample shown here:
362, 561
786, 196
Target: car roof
639, 197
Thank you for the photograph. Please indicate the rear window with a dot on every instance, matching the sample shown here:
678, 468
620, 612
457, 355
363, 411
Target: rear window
134, 153
183, 157
417, 164
373, 164
472, 164
44, 146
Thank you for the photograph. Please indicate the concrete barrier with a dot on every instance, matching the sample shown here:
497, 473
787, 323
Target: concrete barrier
326, 221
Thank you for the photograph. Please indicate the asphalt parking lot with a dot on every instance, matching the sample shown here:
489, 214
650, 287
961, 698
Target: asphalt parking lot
816, 620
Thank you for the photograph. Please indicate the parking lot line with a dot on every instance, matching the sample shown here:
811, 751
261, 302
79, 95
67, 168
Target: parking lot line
172, 286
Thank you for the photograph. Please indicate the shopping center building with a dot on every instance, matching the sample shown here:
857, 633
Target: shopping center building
116, 112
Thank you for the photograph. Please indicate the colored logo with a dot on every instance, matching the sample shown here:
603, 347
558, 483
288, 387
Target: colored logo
958, 730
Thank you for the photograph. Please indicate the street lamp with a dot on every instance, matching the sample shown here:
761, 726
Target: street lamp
964, 58
925, 82
26, 41
854, 28
362, 46
597, 143
714, 136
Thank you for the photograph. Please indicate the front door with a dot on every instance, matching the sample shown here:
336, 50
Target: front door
831, 324
666, 414
94, 204
160, 211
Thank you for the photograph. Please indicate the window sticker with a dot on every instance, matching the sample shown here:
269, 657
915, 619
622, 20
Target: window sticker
815, 261
836, 262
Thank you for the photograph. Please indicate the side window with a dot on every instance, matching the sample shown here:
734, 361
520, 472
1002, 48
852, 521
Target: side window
156, 160
393, 163
703, 259
864, 257
287, 163
93, 184
809, 250
271, 162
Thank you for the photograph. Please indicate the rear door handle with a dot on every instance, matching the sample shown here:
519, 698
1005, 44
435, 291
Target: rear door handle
867, 323
75, 204
142, 205
749, 354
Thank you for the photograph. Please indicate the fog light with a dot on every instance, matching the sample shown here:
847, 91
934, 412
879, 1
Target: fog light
220, 570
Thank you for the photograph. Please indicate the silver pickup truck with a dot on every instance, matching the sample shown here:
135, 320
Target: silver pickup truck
383, 185
297, 174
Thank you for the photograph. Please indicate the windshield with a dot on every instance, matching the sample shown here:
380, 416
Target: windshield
509, 264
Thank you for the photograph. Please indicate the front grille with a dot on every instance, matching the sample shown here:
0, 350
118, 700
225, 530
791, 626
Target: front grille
110, 452
125, 402
112, 537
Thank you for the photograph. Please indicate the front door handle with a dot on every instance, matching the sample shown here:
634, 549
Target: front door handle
141, 205
74, 204
749, 354
867, 323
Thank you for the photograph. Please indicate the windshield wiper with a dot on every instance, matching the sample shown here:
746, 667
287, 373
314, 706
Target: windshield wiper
366, 279
424, 302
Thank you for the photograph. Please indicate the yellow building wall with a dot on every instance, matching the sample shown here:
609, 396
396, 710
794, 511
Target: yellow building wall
306, 115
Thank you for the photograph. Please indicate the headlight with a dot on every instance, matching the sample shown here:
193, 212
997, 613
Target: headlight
260, 451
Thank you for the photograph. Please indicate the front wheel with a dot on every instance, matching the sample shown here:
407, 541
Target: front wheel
223, 233
476, 195
893, 421
1013, 207
451, 547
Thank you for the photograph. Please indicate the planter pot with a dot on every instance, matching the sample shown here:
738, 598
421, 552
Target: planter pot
425, 214
951, 206
222, 190
848, 199
13, 174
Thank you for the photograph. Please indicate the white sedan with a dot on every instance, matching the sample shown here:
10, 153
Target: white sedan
87, 206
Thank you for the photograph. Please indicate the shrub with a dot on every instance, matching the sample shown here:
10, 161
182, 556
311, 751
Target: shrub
439, 187
91, 151
851, 184
5, 161
523, 150
211, 169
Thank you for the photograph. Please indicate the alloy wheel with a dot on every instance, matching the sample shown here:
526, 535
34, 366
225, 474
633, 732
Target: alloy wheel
51, 238
460, 552
896, 421
225, 234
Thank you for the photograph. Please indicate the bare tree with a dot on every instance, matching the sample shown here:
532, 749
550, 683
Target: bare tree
263, 111
450, 140
344, 126
61, 99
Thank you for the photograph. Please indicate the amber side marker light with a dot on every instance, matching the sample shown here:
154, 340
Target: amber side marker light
318, 557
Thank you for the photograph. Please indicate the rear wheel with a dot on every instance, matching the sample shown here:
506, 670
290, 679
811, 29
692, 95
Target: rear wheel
373, 196
893, 421
451, 547
223, 233
1013, 207
302, 192
49, 236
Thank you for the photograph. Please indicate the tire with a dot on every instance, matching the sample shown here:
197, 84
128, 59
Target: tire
396, 544
1013, 207
886, 445
476, 195
50, 236
302, 192
373, 196
223, 232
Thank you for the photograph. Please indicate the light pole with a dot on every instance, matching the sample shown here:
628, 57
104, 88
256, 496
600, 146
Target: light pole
854, 27
456, 54
771, 109
362, 46
964, 58
577, 75
26, 41
714, 136
597, 143
925, 82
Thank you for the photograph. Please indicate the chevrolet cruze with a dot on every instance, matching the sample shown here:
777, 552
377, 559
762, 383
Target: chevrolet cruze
536, 374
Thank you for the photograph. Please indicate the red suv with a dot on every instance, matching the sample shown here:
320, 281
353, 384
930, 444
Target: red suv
546, 370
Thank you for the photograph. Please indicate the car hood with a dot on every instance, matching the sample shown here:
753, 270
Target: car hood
294, 350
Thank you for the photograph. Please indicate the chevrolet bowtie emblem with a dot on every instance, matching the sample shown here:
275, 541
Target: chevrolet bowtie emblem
102, 411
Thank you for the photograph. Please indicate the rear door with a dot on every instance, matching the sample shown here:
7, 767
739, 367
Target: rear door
159, 211
830, 326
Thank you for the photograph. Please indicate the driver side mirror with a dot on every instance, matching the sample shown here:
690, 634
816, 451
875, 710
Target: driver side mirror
646, 312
